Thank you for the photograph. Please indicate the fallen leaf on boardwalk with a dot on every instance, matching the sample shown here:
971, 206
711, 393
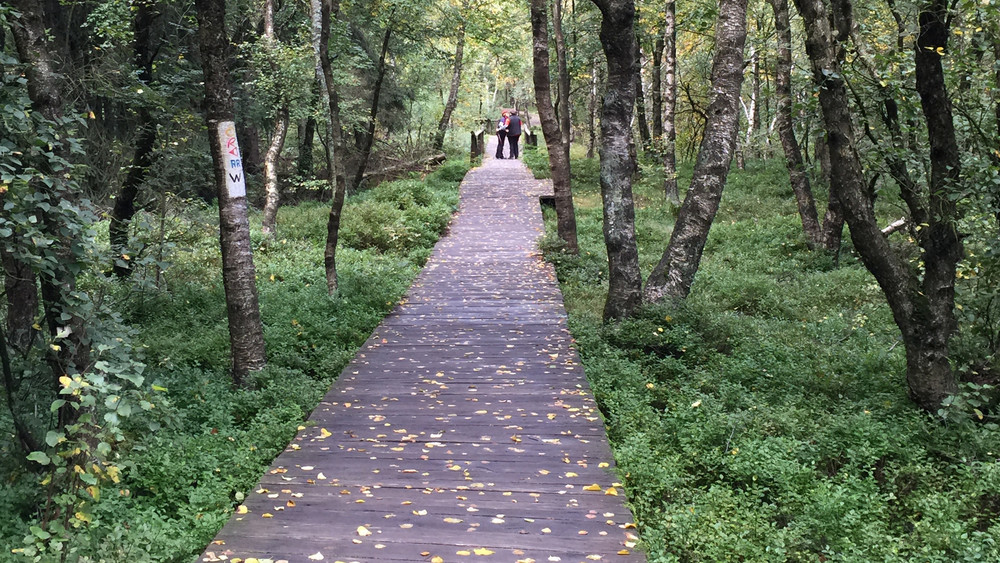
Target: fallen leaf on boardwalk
611, 491
316, 556
594, 487
363, 532
463, 552
453, 520
555, 558
629, 525
515, 438
420, 512
571, 474
307, 468
482, 551
623, 552
241, 509
528, 560
543, 471
380, 546
546, 531
325, 433
603, 464
594, 557
424, 553
267, 515
321, 477
437, 559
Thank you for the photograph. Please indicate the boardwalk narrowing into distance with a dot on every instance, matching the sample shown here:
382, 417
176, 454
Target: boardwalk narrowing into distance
464, 430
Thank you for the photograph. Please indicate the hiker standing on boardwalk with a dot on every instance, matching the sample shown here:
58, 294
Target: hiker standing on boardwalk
513, 132
502, 125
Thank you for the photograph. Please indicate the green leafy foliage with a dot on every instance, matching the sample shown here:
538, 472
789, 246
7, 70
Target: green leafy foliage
766, 418
186, 445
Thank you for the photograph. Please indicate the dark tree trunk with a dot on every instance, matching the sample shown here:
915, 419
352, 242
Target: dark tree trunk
592, 109
673, 276
657, 87
58, 281
21, 290
307, 137
617, 164
670, 189
566, 115
145, 143
785, 126
640, 98
929, 372
456, 81
368, 137
279, 132
327, 10
556, 140
27, 441
922, 309
246, 335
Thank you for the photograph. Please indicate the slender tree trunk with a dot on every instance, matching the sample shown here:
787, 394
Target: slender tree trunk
785, 125
271, 187
369, 136
28, 441
323, 13
670, 189
58, 280
656, 84
640, 97
617, 164
246, 334
279, 133
673, 276
922, 309
456, 81
307, 137
556, 140
592, 108
566, 116
142, 158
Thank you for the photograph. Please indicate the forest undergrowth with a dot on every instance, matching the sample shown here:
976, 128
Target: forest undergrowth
182, 482
766, 418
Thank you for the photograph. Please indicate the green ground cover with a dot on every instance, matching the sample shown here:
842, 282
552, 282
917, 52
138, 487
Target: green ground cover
182, 482
766, 419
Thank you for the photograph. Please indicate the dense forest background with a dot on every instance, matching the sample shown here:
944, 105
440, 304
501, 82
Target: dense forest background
171, 313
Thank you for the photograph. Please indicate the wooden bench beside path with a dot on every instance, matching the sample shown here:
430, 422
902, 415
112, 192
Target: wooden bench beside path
464, 429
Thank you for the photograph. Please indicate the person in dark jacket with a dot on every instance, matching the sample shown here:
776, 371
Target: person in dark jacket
502, 125
513, 133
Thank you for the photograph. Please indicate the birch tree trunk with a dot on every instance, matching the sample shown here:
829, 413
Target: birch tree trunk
246, 334
556, 140
456, 81
670, 189
279, 132
617, 164
673, 275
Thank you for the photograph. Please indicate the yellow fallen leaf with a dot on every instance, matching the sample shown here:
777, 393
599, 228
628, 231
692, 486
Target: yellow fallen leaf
364, 532
603, 464
611, 491
241, 509
623, 552
453, 520
594, 487
482, 551
463, 552
571, 474
316, 556
325, 433
267, 515
420, 512
437, 559
546, 531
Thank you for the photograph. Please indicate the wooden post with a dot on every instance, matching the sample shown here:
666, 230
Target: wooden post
474, 150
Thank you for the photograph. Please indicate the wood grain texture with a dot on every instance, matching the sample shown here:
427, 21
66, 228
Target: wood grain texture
463, 430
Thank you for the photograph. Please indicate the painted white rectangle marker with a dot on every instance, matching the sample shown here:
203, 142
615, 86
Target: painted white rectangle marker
232, 160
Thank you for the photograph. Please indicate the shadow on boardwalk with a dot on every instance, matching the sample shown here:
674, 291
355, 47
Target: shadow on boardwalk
463, 430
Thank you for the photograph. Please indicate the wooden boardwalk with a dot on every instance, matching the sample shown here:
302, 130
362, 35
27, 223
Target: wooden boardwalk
464, 430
